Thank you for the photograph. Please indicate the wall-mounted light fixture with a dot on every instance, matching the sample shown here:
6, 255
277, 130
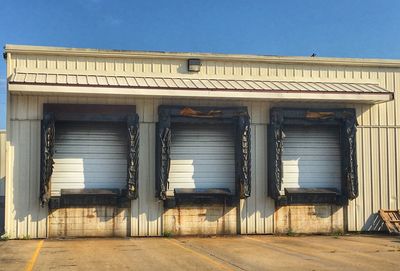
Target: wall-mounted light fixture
194, 65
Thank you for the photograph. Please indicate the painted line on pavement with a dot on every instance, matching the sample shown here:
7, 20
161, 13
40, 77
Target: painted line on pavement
32, 261
221, 266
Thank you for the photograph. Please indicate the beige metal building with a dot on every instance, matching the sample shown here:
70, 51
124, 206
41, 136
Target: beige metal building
127, 143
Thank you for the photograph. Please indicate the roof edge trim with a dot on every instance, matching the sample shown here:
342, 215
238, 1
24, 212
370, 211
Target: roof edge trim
48, 50
181, 93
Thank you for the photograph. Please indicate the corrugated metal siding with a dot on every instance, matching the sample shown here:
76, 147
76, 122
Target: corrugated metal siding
311, 158
256, 213
89, 155
202, 157
2, 161
169, 67
378, 145
2, 177
194, 84
25, 216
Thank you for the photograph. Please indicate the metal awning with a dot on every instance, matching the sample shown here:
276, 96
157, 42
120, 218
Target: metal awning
201, 87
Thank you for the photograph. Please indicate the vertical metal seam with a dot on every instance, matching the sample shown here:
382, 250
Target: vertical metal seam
29, 178
396, 173
363, 175
380, 160
149, 210
370, 158
254, 169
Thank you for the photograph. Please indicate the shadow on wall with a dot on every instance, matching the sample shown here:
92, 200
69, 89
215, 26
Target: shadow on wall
201, 219
27, 217
310, 210
202, 157
2, 202
323, 211
374, 223
215, 177
310, 219
317, 163
328, 179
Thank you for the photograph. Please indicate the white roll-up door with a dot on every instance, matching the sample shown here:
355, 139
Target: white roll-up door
202, 156
311, 158
89, 155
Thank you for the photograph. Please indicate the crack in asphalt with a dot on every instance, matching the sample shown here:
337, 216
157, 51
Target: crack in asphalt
209, 253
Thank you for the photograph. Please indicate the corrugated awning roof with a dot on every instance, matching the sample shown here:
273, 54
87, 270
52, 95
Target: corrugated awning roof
193, 84
199, 87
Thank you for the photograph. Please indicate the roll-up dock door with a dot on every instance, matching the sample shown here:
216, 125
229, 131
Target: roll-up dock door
202, 156
89, 155
311, 157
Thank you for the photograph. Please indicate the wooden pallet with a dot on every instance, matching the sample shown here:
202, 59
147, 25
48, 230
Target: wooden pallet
391, 219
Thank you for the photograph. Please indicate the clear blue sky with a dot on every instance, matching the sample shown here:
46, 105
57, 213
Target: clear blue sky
338, 28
